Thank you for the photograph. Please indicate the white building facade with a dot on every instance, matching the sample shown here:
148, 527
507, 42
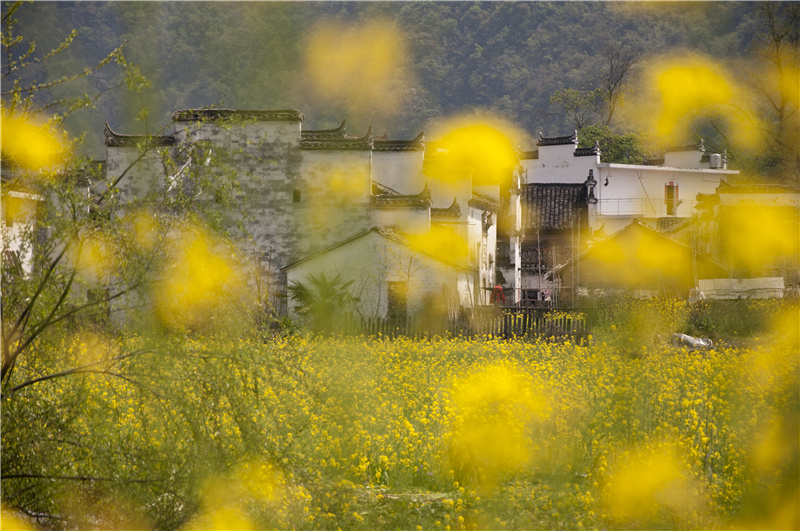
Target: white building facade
309, 196
664, 189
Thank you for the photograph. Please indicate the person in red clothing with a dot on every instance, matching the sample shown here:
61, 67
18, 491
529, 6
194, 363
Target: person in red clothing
497, 296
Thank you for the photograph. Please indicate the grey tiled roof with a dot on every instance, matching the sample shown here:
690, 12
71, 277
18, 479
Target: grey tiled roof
652, 162
196, 115
552, 206
557, 140
587, 151
338, 132
347, 142
393, 200
453, 211
117, 140
416, 144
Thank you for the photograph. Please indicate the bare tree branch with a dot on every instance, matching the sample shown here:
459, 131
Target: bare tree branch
620, 60
78, 478
80, 369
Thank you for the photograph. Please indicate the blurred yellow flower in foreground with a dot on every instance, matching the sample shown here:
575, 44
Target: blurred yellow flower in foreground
689, 87
441, 242
30, 145
754, 236
650, 480
144, 229
93, 258
226, 501
475, 149
361, 65
10, 521
200, 278
490, 436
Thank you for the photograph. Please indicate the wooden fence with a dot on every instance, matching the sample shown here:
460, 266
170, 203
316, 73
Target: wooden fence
489, 322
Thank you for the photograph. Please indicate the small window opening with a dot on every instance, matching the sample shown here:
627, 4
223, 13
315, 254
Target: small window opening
296, 196
671, 198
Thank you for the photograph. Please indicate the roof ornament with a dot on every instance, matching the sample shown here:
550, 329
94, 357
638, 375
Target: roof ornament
368, 136
590, 183
691, 147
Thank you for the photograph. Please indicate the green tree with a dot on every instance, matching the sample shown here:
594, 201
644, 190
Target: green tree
92, 251
774, 76
625, 148
764, 141
599, 104
580, 107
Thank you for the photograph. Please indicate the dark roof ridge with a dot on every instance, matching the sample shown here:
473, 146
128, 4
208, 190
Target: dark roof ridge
652, 162
483, 202
369, 135
383, 189
415, 144
113, 139
348, 142
553, 185
336, 132
558, 140
453, 211
584, 152
197, 115
422, 199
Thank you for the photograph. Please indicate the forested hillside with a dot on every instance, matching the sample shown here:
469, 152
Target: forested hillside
508, 58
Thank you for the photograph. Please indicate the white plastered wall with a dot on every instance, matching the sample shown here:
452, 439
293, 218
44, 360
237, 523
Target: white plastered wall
399, 170
373, 260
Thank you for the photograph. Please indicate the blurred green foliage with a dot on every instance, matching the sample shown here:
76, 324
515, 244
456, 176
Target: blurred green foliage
505, 57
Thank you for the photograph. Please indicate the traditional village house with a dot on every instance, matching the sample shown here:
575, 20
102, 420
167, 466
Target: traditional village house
637, 260
754, 231
18, 210
574, 199
556, 222
658, 193
361, 206
379, 210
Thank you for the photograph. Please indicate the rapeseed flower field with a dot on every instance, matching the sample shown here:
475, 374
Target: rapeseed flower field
304, 432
